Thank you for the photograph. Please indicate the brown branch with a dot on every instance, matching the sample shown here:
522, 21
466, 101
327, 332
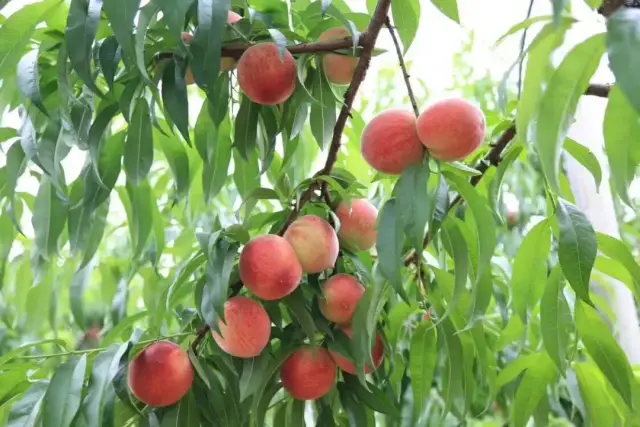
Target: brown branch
367, 41
403, 66
494, 157
609, 7
202, 333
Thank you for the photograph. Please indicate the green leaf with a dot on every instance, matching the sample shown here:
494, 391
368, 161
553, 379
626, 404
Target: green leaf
455, 243
415, 193
207, 42
621, 129
523, 25
28, 79
253, 370
110, 55
559, 7
423, 358
104, 369
406, 18
49, 218
355, 411
372, 396
513, 370
615, 249
583, 155
532, 389
592, 384
530, 268
97, 130
121, 14
246, 175
178, 160
188, 412
145, 17
389, 246
97, 190
138, 153
62, 400
560, 101
577, 247
258, 407
174, 96
77, 288
25, 412
16, 162
604, 350
536, 75
556, 323
295, 413
174, 13
215, 170
140, 222
82, 27
449, 8
323, 113
221, 256
16, 32
296, 304
623, 46
246, 128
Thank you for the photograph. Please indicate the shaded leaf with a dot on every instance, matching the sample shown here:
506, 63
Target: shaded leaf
28, 79
174, 96
121, 14
138, 153
62, 400
323, 113
82, 27
49, 218
423, 357
25, 412
556, 322
623, 46
389, 245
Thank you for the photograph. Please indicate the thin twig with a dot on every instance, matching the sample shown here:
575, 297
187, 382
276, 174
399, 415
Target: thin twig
523, 42
494, 157
403, 66
202, 333
367, 41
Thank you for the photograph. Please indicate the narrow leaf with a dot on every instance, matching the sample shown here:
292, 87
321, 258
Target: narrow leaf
138, 154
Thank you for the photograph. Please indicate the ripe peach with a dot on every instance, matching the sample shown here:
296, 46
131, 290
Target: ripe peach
246, 329
338, 68
315, 243
452, 129
342, 293
390, 142
309, 374
377, 352
161, 374
357, 228
269, 267
264, 77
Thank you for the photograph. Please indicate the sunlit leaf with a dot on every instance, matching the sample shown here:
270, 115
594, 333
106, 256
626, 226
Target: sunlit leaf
406, 17
532, 389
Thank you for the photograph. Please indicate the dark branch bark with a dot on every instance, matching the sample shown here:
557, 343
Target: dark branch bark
609, 7
367, 41
403, 66
494, 157
202, 333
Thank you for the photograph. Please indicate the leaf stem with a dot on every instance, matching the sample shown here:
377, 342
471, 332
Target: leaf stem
403, 66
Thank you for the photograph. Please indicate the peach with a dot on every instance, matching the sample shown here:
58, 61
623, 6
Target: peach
390, 142
246, 329
264, 77
315, 243
309, 374
161, 374
338, 68
452, 129
269, 267
357, 227
377, 353
342, 293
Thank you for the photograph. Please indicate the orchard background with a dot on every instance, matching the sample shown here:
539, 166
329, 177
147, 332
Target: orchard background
500, 288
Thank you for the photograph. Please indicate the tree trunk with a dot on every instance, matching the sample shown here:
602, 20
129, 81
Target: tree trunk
597, 205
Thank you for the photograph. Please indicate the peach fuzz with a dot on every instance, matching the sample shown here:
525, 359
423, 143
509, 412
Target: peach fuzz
309, 374
357, 227
342, 293
377, 353
264, 77
269, 267
315, 243
339, 69
390, 142
246, 329
452, 129
161, 374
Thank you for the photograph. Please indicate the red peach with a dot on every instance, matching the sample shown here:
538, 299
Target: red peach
357, 228
309, 374
315, 243
338, 68
269, 267
246, 329
452, 129
342, 293
390, 142
161, 374
377, 353
264, 77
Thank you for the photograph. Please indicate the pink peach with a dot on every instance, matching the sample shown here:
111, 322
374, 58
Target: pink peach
315, 243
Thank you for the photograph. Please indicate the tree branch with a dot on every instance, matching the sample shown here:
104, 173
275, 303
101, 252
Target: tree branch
494, 157
403, 66
202, 333
367, 41
609, 7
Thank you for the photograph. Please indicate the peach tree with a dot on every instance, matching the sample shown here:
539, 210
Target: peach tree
206, 221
